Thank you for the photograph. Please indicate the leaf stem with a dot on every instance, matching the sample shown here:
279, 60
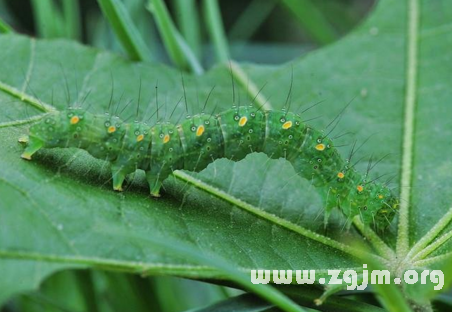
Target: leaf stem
380, 246
409, 127
390, 296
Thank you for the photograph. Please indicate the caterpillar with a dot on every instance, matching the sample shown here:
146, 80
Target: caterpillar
202, 138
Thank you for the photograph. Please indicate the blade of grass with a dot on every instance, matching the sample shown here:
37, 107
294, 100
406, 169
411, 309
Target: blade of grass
123, 292
312, 20
215, 28
48, 20
170, 298
71, 11
5, 28
125, 30
145, 25
193, 62
179, 52
250, 20
188, 21
86, 287
52, 294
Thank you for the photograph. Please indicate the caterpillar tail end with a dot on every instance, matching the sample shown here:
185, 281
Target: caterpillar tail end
33, 146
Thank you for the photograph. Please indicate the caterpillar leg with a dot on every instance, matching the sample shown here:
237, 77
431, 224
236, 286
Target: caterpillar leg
119, 175
154, 184
24, 139
329, 206
327, 215
33, 145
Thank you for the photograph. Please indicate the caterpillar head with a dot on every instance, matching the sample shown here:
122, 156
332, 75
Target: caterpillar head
381, 206
389, 205
56, 129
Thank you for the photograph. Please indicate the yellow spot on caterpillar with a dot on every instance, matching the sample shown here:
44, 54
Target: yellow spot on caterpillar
340, 175
140, 138
200, 130
166, 138
74, 120
360, 188
111, 129
287, 125
380, 196
320, 147
243, 121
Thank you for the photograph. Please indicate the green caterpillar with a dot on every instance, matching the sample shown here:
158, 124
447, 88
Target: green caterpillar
202, 138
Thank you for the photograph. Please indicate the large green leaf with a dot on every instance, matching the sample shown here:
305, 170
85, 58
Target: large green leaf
256, 213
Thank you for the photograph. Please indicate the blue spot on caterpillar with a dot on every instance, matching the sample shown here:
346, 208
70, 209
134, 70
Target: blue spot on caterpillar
202, 138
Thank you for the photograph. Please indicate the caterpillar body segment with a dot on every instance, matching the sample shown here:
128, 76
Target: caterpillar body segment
202, 138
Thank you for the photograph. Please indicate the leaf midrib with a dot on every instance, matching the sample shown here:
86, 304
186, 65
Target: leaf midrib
186, 178
402, 245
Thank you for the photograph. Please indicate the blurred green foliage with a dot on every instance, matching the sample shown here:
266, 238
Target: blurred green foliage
270, 31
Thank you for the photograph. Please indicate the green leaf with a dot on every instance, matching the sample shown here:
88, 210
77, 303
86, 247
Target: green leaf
59, 209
